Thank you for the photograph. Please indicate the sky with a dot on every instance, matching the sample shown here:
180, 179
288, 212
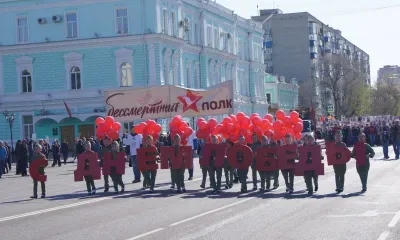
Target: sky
370, 24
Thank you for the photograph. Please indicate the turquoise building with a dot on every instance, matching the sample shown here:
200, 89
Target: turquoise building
56, 51
281, 93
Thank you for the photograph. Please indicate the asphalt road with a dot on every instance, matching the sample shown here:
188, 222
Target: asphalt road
68, 213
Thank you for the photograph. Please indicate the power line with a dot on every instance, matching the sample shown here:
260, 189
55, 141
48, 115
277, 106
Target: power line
365, 10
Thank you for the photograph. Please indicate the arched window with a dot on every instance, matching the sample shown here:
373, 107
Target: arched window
126, 75
75, 78
26, 79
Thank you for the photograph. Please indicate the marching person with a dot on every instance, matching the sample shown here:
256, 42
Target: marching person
134, 140
395, 132
56, 154
340, 169
256, 144
263, 174
272, 174
38, 155
107, 147
212, 170
363, 170
385, 139
204, 169
310, 176
178, 174
190, 142
227, 168
242, 172
64, 151
91, 188
116, 178
149, 175
288, 174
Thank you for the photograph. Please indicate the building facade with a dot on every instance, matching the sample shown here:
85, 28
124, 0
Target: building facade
57, 51
281, 93
389, 71
296, 44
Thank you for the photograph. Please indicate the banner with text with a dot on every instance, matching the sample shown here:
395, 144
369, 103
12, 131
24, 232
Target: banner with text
168, 101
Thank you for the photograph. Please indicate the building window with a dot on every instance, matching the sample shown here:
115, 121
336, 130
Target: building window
75, 78
126, 75
122, 21
165, 21
26, 81
188, 77
195, 34
28, 126
216, 38
209, 36
195, 78
268, 98
173, 24
22, 25
72, 25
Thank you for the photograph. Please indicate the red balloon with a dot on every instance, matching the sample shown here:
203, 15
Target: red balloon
99, 120
140, 128
298, 127
111, 133
109, 121
200, 120
202, 125
234, 138
268, 133
297, 135
102, 127
219, 128
212, 123
257, 130
182, 126
116, 126
230, 128
184, 141
277, 125
234, 118
240, 116
227, 120
246, 121
100, 135
294, 116
265, 124
157, 128
188, 131
277, 136
269, 117
254, 115
256, 120
151, 123
280, 115
287, 121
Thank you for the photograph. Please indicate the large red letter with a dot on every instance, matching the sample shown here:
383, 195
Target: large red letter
147, 158
240, 156
34, 169
311, 154
93, 168
359, 149
184, 155
266, 159
286, 153
337, 154
219, 154
118, 163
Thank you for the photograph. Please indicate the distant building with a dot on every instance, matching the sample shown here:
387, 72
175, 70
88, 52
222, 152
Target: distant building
389, 71
295, 44
281, 93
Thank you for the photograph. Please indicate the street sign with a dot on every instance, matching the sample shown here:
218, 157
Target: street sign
331, 109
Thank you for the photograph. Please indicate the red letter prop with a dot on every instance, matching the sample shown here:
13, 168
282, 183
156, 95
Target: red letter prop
266, 159
184, 156
118, 163
147, 158
359, 149
337, 154
219, 154
240, 156
311, 154
34, 169
92, 169
286, 153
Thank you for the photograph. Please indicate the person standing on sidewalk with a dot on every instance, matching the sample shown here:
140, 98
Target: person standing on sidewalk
38, 155
134, 140
3, 156
385, 140
64, 151
56, 154
395, 132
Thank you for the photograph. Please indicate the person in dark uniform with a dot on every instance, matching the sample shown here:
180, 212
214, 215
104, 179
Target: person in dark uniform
288, 174
107, 147
64, 151
263, 174
228, 169
204, 169
178, 175
149, 175
363, 170
212, 170
385, 140
56, 154
340, 169
256, 144
242, 172
272, 174
116, 178
38, 155
91, 188
310, 176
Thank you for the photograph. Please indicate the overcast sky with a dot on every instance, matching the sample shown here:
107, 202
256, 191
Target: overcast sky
370, 24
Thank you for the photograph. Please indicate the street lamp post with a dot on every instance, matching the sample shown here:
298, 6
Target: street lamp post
10, 119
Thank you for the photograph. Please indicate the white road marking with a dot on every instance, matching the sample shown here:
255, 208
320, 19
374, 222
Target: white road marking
371, 213
384, 235
395, 220
146, 234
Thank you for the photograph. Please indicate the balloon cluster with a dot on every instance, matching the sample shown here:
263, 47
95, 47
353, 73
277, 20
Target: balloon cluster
291, 124
179, 127
207, 129
150, 127
107, 127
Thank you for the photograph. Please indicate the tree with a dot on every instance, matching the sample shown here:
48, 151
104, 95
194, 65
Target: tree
386, 97
344, 80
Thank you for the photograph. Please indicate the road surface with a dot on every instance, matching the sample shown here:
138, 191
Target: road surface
68, 213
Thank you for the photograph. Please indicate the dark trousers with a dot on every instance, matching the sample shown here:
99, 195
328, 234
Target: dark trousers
179, 177
56, 160
288, 175
385, 146
243, 177
65, 155
228, 175
268, 175
172, 178
149, 178
90, 183
340, 171
204, 171
254, 172
309, 178
190, 172
212, 171
363, 173
106, 183
117, 181
8, 163
2, 166
35, 185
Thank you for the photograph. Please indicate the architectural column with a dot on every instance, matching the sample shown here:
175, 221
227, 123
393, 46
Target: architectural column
177, 67
211, 73
234, 78
152, 64
189, 74
196, 74
167, 66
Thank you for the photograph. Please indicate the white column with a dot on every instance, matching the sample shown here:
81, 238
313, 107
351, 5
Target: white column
152, 64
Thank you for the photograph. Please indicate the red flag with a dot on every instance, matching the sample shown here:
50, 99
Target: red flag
68, 110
